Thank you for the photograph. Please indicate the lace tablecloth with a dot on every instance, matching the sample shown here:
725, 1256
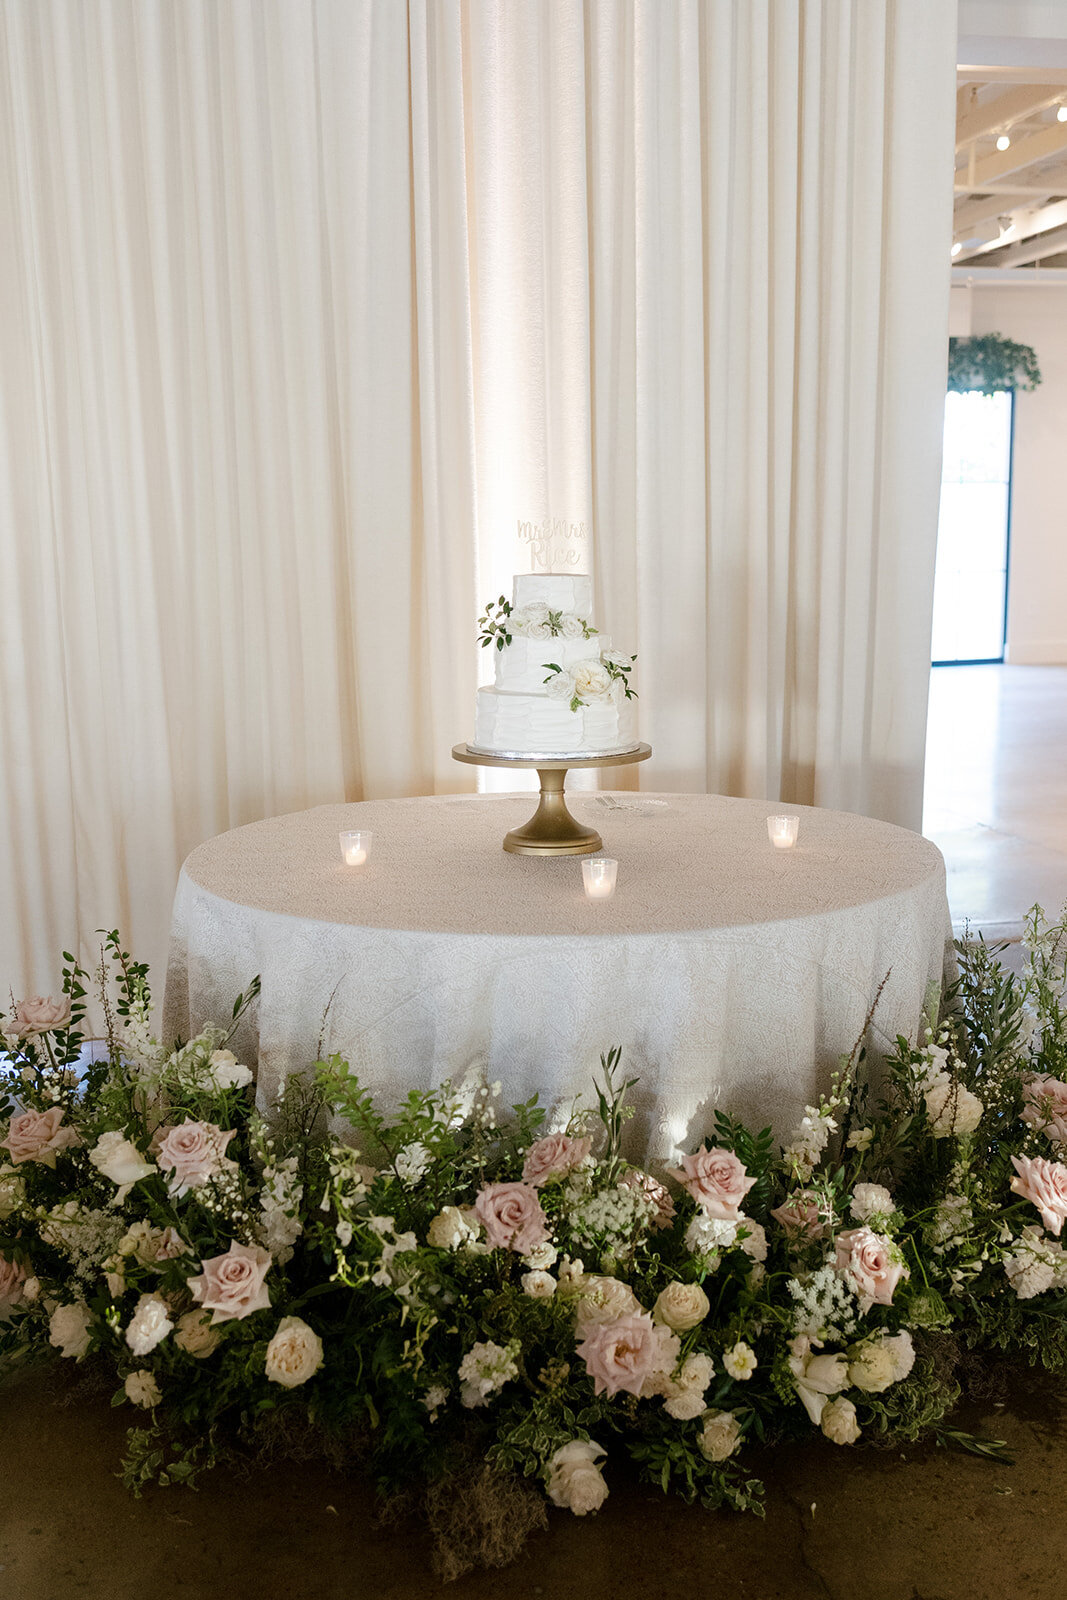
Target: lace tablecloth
733, 974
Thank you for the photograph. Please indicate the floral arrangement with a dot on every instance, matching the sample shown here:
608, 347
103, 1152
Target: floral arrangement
501, 621
590, 681
456, 1295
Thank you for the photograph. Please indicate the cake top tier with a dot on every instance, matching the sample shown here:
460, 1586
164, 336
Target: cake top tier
559, 591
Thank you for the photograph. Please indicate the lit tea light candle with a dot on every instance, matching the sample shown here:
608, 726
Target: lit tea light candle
599, 878
782, 831
355, 846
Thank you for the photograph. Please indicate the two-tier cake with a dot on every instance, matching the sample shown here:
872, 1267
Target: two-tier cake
560, 688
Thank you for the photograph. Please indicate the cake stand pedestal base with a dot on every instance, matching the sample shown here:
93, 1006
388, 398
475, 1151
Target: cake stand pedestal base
551, 831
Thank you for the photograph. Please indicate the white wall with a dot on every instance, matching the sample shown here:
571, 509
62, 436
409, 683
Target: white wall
1037, 578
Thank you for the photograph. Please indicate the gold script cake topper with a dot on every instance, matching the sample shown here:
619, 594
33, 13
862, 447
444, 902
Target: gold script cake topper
554, 545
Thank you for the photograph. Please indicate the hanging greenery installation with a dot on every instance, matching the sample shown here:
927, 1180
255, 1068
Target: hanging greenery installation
990, 363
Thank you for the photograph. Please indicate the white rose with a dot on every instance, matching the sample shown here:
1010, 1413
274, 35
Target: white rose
615, 658
530, 622
120, 1160
754, 1242
870, 1200
592, 681
720, 1436
560, 685
952, 1110
195, 1335
149, 1325
839, 1421
681, 1306
684, 1406
572, 626
872, 1368
541, 1257
142, 1389
226, 1072
538, 1285
68, 1329
294, 1354
451, 1228
574, 1480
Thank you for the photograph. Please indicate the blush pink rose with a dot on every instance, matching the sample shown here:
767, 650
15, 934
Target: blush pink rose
37, 1136
193, 1153
12, 1278
1045, 1107
554, 1157
41, 1014
1045, 1184
231, 1286
658, 1193
800, 1216
866, 1258
717, 1181
623, 1354
512, 1217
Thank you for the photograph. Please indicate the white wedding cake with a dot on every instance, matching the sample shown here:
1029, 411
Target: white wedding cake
560, 689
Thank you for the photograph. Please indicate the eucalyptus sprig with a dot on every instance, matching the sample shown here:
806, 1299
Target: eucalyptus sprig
493, 624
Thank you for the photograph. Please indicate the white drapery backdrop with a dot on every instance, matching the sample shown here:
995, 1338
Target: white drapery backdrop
308, 301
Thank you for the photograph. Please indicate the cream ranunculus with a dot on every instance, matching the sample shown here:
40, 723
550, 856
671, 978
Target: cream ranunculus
149, 1325
195, 1335
839, 1421
119, 1159
720, 1435
681, 1306
68, 1330
592, 681
294, 1354
142, 1389
872, 1368
538, 1285
575, 1482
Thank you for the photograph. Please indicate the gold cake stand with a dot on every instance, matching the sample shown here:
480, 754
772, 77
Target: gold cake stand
551, 831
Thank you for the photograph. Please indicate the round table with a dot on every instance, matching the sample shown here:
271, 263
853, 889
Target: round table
732, 974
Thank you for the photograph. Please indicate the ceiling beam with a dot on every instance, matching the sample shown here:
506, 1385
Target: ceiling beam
991, 116
1021, 255
1031, 74
1021, 153
1025, 224
977, 211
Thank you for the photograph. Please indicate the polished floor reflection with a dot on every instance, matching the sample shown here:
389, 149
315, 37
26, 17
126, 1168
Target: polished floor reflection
996, 790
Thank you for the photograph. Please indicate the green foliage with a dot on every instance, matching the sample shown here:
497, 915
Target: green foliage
989, 363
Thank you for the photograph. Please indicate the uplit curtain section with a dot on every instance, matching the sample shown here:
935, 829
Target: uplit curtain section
759, 192
237, 522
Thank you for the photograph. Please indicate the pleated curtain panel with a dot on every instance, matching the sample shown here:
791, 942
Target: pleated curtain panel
307, 303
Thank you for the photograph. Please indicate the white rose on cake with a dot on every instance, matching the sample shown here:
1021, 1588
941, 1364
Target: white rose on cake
592, 681
531, 621
572, 626
560, 685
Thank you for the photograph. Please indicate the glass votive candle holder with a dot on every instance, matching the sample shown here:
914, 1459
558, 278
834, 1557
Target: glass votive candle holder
599, 878
355, 846
782, 831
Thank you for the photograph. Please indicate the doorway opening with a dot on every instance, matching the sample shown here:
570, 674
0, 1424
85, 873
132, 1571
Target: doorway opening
973, 532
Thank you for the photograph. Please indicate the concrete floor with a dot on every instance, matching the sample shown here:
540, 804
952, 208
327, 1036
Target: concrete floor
996, 790
924, 1524
842, 1524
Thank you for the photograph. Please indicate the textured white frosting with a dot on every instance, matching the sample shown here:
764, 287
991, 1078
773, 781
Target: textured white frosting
521, 666
535, 724
560, 591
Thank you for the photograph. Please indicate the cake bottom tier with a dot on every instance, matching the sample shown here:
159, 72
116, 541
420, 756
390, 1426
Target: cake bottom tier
535, 724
